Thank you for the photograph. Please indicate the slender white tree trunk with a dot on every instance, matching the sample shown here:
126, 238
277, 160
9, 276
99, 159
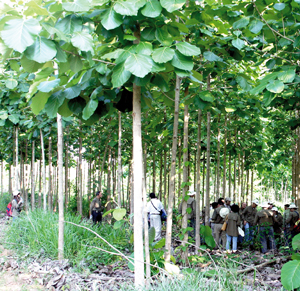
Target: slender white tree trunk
17, 186
119, 160
32, 176
44, 170
60, 143
173, 172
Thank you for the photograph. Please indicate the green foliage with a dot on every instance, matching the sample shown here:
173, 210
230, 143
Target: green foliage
290, 272
37, 233
5, 198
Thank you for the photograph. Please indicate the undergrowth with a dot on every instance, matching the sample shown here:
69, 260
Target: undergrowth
5, 198
36, 234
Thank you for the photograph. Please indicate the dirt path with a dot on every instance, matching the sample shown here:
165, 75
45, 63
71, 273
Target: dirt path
12, 277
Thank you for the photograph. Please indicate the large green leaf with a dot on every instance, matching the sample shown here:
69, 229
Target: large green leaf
243, 83
188, 49
296, 242
290, 275
210, 56
111, 19
48, 86
14, 118
152, 9
119, 213
172, 5
53, 103
163, 36
38, 102
75, 63
151, 234
11, 83
279, 6
69, 24
43, 50
30, 66
83, 41
126, 7
120, 75
161, 83
275, 86
163, 55
89, 109
241, 23
210, 241
18, 34
182, 62
139, 65
238, 43
287, 76
144, 48
206, 96
77, 6
256, 26
72, 92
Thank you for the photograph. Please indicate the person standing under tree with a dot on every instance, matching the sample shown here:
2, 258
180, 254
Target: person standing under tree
248, 217
95, 208
154, 207
233, 220
16, 204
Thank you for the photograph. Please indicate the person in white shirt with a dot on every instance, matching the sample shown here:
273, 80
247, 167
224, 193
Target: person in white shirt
154, 207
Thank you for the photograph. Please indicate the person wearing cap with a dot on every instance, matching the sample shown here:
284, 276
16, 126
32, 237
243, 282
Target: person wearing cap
16, 204
248, 217
154, 207
278, 224
265, 219
191, 215
219, 220
95, 208
286, 214
290, 223
270, 205
233, 222
227, 203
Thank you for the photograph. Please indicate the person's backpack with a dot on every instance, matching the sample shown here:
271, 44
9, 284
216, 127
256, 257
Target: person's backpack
296, 229
8, 209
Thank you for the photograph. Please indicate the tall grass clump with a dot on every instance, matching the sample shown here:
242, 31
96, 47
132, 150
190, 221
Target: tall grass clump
5, 198
36, 233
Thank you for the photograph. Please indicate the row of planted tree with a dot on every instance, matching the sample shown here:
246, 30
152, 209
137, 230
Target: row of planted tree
243, 159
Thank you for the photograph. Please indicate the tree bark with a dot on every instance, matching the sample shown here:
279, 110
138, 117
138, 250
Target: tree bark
67, 198
207, 202
119, 159
224, 158
108, 188
172, 172
154, 171
50, 198
17, 181
79, 197
60, 188
44, 171
33, 175
218, 161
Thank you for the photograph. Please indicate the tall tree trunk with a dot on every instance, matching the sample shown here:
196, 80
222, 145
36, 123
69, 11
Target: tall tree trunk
119, 159
203, 183
165, 178
9, 180
239, 178
224, 158
113, 164
44, 171
17, 180
179, 164
160, 177
50, 201
33, 176
252, 173
247, 185
60, 143
40, 184
138, 176
198, 163
108, 190
154, 171
173, 172
2, 175
242, 180
67, 198
218, 160
80, 186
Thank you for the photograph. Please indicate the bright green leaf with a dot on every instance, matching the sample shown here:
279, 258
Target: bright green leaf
188, 49
89, 109
126, 7
163, 36
139, 65
144, 48
238, 43
72, 92
296, 242
111, 19
182, 62
118, 224
43, 50
18, 34
241, 23
290, 275
256, 26
14, 118
287, 76
279, 6
151, 235
243, 83
172, 269
152, 9
53, 103
38, 102
48, 86
119, 213
77, 6
70, 24
275, 86
75, 63
210, 56
172, 5
120, 75
83, 41
206, 96
163, 54
11, 83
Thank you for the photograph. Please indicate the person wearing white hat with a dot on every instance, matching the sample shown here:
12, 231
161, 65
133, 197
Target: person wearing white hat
191, 216
290, 223
248, 217
16, 204
219, 220
227, 203
265, 220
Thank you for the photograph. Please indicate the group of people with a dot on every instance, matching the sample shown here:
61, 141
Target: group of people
15, 206
268, 223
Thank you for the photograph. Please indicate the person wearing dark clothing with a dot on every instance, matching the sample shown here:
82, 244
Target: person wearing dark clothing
95, 208
248, 217
233, 222
290, 223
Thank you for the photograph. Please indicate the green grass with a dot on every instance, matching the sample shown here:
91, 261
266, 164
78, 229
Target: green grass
5, 198
36, 234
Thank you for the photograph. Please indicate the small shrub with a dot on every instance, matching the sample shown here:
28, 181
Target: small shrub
5, 198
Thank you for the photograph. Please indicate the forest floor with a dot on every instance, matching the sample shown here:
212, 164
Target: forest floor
254, 270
